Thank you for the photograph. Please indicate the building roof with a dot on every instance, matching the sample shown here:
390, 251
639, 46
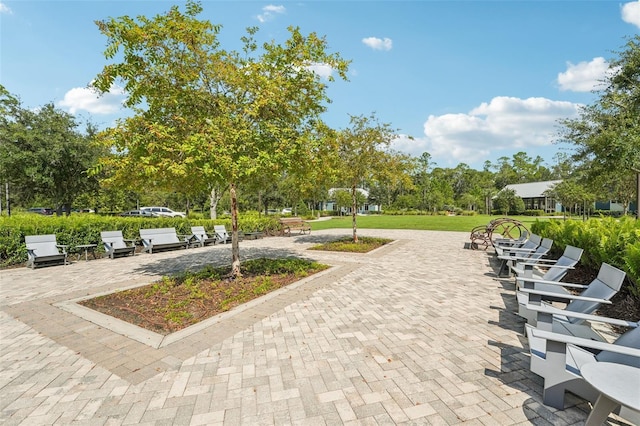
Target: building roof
532, 189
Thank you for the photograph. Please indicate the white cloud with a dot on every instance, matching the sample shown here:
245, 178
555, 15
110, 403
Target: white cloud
585, 76
631, 13
87, 99
323, 70
5, 9
269, 12
505, 123
377, 43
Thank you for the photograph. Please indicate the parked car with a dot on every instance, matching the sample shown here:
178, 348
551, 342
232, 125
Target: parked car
41, 210
163, 211
287, 211
137, 213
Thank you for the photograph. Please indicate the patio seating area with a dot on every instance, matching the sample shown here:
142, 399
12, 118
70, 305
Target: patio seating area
421, 331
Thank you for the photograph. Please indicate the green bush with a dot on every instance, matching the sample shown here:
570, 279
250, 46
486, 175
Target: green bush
85, 229
614, 241
534, 213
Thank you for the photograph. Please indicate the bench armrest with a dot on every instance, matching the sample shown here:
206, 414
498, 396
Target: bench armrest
547, 309
508, 257
587, 343
536, 261
564, 296
520, 283
559, 283
521, 271
63, 247
567, 285
546, 266
519, 249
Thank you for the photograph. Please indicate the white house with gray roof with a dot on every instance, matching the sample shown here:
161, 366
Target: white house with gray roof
533, 195
365, 208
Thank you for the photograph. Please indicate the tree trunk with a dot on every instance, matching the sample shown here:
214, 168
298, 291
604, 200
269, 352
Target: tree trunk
354, 211
235, 247
213, 203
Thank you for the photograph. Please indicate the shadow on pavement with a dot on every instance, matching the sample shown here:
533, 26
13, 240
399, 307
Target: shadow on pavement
193, 260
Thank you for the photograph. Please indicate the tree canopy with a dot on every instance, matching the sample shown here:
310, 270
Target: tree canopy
43, 155
607, 133
204, 115
363, 155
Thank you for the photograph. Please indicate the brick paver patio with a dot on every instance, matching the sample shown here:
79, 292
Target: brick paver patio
419, 332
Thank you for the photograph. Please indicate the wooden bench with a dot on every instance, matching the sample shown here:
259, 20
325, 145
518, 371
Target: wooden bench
162, 239
289, 224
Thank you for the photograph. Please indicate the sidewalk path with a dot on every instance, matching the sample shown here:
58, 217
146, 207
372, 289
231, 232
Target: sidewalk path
419, 332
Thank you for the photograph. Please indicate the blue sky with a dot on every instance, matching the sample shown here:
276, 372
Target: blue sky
470, 81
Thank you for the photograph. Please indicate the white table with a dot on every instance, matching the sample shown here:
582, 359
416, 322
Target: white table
618, 384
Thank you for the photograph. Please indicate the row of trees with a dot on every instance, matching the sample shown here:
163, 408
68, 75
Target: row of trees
46, 156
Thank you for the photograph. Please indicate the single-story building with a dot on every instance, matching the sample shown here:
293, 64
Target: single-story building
533, 195
330, 205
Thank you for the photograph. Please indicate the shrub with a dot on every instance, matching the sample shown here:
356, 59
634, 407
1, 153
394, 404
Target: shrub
614, 241
85, 229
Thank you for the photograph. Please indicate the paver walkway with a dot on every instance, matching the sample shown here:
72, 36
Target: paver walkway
418, 332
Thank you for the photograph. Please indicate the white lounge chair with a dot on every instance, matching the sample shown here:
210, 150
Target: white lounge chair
555, 269
558, 359
513, 255
529, 245
222, 235
115, 245
511, 242
200, 236
43, 250
598, 292
580, 326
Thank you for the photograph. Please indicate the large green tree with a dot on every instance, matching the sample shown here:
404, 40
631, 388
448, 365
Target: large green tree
203, 115
314, 172
507, 201
606, 135
43, 154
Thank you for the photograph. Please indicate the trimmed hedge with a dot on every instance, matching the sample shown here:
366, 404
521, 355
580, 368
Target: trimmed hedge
614, 241
85, 229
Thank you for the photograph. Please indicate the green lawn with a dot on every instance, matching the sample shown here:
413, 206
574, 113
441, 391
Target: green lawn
431, 223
